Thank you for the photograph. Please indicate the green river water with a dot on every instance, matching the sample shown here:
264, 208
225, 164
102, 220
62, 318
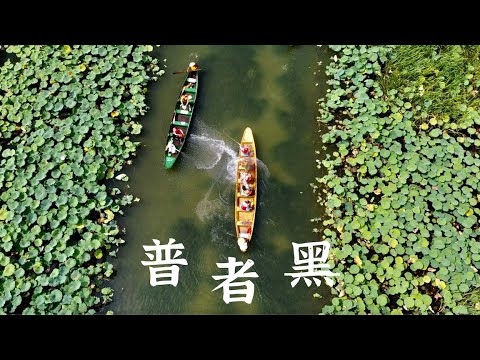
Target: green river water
272, 89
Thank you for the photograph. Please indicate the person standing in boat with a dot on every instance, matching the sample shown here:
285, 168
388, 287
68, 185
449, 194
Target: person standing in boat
192, 67
192, 80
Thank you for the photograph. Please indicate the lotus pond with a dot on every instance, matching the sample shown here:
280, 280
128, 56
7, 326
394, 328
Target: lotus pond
76, 182
67, 114
396, 177
402, 188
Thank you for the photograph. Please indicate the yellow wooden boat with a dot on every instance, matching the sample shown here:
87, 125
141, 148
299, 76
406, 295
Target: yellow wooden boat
246, 190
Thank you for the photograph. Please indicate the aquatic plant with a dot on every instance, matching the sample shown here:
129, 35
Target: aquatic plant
401, 200
443, 79
66, 117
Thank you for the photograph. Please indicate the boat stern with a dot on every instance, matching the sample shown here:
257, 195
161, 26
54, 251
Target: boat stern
242, 244
169, 161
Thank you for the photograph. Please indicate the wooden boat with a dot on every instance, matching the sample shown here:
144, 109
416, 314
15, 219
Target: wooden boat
246, 175
182, 116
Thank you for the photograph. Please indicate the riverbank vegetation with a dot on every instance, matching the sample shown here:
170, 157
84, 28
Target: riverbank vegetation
401, 190
66, 117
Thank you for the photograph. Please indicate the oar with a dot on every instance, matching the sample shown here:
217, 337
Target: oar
181, 72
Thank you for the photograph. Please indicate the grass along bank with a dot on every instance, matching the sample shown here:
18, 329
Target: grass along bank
401, 190
66, 117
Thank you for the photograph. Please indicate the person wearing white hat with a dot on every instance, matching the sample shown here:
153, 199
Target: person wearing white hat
192, 66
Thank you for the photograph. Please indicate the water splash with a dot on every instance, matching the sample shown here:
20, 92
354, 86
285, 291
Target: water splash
208, 209
209, 153
218, 213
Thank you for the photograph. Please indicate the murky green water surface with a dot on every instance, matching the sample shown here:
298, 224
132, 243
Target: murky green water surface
272, 90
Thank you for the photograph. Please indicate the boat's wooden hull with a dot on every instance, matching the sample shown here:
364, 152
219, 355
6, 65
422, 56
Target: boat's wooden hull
182, 118
245, 220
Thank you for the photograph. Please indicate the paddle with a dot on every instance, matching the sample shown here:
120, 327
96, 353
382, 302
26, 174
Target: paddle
181, 72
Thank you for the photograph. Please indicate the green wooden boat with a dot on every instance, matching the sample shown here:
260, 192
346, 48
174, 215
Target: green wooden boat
182, 116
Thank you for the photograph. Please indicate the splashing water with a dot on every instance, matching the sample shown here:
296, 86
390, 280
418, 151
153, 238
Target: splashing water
208, 209
209, 153
216, 213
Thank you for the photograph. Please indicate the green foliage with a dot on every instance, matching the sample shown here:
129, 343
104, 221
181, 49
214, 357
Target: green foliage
66, 115
404, 230
444, 80
470, 300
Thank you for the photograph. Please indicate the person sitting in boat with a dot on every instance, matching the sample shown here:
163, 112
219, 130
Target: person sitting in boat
246, 205
171, 148
184, 99
244, 150
246, 163
178, 133
247, 178
247, 190
192, 67
189, 85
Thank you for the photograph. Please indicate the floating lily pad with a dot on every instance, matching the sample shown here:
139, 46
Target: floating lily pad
9, 270
52, 182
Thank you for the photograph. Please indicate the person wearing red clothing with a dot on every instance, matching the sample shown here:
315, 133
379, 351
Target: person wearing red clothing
246, 205
178, 133
245, 150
